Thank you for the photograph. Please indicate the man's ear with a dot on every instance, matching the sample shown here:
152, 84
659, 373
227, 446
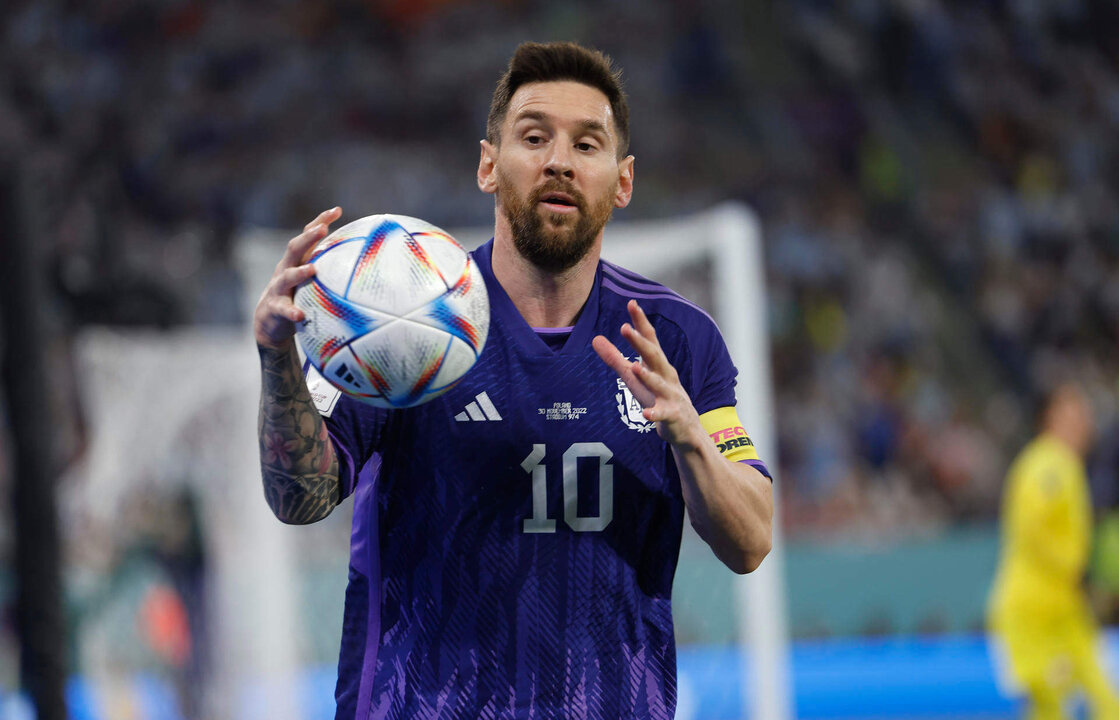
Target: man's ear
625, 182
487, 164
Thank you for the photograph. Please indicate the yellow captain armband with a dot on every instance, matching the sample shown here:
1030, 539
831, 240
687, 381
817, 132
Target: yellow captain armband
726, 430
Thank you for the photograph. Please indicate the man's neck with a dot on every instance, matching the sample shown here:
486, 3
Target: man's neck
1071, 439
543, 298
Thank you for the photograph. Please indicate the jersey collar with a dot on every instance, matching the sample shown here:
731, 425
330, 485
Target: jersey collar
505, 313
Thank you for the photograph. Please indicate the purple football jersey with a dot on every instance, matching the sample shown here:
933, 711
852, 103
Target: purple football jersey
514, 540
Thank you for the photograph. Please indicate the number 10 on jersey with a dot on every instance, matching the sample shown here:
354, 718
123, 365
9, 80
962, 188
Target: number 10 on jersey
533, 465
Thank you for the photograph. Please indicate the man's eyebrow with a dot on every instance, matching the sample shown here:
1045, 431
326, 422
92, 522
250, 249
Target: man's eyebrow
530, 115
538, 116
593, 126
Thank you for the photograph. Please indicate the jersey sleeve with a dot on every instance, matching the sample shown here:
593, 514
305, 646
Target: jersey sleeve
713, 378
355, 429
713, 374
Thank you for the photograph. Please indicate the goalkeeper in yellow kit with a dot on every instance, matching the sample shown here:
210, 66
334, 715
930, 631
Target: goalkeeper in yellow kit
1038, 608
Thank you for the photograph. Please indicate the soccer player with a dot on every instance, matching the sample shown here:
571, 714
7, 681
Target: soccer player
514, 540
1038, 609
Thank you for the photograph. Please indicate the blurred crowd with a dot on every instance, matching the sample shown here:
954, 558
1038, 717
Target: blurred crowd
958, 256
936, 180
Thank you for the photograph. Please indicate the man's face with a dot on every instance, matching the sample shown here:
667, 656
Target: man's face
556, 173
1084, 418
1073, 417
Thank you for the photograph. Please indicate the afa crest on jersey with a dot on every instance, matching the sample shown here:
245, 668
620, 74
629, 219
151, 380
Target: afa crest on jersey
630, 410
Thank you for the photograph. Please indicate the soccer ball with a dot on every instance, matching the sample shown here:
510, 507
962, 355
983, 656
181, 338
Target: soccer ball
396, 312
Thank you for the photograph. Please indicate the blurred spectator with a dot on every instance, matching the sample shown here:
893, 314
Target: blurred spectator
139, 592
1039, 611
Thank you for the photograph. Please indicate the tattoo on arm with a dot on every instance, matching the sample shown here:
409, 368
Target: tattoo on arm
297, 459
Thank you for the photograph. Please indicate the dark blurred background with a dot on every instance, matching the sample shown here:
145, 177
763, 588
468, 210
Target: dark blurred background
937, 181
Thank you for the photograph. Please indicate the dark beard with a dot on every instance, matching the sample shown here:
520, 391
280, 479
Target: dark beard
569, 237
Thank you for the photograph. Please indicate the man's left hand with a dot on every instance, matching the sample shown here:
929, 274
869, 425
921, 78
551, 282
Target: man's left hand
652, 380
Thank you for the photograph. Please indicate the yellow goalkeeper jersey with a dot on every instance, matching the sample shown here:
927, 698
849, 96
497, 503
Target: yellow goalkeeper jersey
1046, 535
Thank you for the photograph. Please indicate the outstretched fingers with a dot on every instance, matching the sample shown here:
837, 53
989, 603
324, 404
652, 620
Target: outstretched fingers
325, 218
276, 314
643, 336
610, 354
640, 320
659, 389
299, 247
624, 368
653, 381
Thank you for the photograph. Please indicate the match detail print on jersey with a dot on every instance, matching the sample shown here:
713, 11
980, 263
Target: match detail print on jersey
724, 427
323, 394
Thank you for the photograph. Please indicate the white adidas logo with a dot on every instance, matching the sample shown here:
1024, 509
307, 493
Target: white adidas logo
482, 410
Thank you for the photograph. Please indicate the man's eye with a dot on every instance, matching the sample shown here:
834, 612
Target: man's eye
533, 139
584, 146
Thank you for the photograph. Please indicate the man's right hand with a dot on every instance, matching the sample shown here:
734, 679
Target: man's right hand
276, 314
297, 459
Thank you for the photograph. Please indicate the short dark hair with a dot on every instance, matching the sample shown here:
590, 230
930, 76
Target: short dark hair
548, 62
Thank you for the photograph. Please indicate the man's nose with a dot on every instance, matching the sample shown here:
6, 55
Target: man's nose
559, 162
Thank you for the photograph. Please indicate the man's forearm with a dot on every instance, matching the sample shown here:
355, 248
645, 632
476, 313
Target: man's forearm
729, 504
297, 459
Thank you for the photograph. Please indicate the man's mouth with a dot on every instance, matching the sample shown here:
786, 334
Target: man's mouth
559, 202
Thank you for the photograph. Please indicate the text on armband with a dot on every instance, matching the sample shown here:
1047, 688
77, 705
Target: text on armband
731, 438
